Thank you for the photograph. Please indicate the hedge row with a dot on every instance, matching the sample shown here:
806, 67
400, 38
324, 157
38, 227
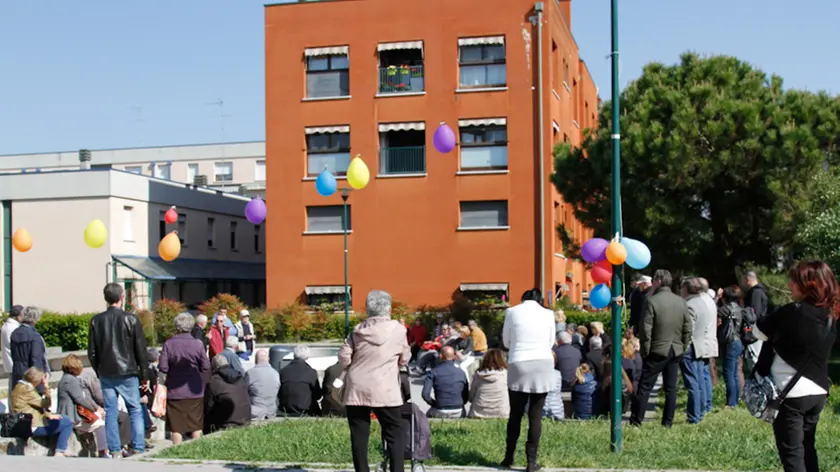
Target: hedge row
292, 323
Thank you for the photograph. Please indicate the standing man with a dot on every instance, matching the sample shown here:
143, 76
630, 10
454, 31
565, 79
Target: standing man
711, 343
222, 313
664, 335
755, 299
479, 338
117, 353
199, 331
693, 365
637, 300
9, 327
217, 336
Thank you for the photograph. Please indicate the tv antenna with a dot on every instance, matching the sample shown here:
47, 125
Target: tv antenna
222, 115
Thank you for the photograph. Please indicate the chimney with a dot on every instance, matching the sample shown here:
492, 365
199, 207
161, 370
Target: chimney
84, 159
200, 180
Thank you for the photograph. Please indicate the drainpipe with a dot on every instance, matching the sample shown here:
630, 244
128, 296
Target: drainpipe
538, 9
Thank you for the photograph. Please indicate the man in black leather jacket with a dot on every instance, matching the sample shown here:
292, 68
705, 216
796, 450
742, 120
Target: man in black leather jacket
117, 353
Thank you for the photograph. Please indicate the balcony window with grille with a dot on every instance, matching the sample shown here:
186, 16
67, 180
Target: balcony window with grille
401, 67
192, 173
327, 148
328, 219
484, 144
482, 62
484, 215
223, 171
327, 72
402, 148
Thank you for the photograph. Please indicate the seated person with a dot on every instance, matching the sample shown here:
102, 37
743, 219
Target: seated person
584, 393
263, 387
489, 391
226, 400
479, 338
450, 387
553, 407
71, 396
430, 354
26, 399
567, 359
631, 360
329, 405
229, 353
299, 388
605, 385
595, 357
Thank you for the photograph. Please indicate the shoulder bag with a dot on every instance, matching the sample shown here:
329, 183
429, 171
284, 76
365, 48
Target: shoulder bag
761, 396
15, 425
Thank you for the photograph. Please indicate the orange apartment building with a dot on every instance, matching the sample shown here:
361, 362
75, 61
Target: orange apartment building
375, 78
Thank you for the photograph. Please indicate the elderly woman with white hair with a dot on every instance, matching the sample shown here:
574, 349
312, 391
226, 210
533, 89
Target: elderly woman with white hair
28, 348
183, 366
199, 331
371, 357
299, 386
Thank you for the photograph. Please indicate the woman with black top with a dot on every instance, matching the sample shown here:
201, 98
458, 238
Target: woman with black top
801, 335
730, 322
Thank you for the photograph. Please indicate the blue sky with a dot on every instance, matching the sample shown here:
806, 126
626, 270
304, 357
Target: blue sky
107, 74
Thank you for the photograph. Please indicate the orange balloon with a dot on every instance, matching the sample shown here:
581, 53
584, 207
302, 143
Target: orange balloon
169, 247
616, 253
22, 240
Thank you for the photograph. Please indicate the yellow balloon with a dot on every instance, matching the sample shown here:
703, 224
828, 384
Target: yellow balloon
96, 234
169, 247
616, 253
358, 174
22, 240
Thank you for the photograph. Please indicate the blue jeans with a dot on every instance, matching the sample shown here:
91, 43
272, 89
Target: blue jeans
706, 387
693, 378
63, 428
129, 389
730, 371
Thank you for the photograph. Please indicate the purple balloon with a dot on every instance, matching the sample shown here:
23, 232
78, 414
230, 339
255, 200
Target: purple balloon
594, 250
255, 211
444, 139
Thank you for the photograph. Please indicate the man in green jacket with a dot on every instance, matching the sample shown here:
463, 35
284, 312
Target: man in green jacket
664, 335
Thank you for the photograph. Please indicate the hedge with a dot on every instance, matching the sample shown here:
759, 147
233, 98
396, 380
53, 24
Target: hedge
291, 323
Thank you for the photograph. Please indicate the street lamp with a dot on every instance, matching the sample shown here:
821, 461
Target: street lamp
345, 194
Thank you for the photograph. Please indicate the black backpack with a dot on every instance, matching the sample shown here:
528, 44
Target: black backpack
732, 324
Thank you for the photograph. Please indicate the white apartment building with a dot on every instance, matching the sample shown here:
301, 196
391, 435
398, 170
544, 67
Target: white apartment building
221, 251
229, 167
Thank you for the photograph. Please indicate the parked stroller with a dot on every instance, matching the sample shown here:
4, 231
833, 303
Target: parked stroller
418, 445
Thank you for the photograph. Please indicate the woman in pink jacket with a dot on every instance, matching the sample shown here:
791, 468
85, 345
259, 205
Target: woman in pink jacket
371, 358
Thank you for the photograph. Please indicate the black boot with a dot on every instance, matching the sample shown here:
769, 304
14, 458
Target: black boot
531, 455
510, 450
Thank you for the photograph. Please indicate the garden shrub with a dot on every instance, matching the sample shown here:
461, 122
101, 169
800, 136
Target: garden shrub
233, 303
69, 332
165, 311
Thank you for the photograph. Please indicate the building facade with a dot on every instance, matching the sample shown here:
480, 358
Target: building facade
429, 227
221, 251
230, 167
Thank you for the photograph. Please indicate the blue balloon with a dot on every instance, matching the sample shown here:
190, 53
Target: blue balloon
600, 296
326, 183
638, 254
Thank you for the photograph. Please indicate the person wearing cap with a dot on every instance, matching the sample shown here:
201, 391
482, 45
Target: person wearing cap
637, 300
245, 332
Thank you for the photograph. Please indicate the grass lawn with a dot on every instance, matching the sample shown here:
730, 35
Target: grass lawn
726, 440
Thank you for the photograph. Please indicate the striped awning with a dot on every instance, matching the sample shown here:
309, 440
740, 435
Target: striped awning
483, 122
416, 126
328, 51
328, 129
325, 289
398, 46
484, 287
481, 41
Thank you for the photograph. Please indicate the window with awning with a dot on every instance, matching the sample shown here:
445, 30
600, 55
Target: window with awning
483, 144
482, 62
327, 72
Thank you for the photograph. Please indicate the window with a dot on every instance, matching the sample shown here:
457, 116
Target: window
128, 227
192, 173
329, 151
163, 171
233, 244
482, 62
328, 219
484, 147
333, 296
259, 171
182, 228
134, 169
488, 214
327, 76
211, 233
566, 74
257, 248
223, 171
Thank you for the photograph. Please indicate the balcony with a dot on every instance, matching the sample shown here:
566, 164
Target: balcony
401, 79
402, 160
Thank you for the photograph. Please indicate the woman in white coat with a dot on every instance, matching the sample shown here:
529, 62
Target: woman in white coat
528, 334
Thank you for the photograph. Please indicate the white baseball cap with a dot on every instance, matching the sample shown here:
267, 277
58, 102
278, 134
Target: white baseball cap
244, 313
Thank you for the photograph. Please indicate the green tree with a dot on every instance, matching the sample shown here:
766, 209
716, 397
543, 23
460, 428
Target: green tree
716, 161
819, 232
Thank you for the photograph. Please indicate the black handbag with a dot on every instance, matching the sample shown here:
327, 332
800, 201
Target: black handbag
15, 425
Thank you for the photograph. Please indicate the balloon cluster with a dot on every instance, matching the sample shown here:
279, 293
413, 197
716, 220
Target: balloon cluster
358, 176
604, 255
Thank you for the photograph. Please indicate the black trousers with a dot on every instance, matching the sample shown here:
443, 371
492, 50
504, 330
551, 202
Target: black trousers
795, 429
390, 418
535, 403
653, 365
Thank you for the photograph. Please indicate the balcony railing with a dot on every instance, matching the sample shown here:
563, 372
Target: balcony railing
401, 79
402, 160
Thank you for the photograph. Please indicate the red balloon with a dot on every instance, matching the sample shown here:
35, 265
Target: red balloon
602, 272
171, 216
